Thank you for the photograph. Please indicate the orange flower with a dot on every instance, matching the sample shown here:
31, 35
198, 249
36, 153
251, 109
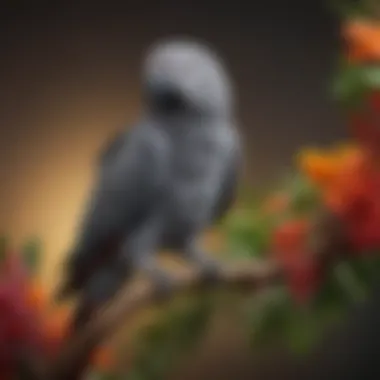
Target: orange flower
351, 183
35, 295
363, 40
352, 192
104, 358
322, 167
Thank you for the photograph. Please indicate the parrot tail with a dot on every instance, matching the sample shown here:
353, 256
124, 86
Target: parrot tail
82, 314
77, 273
98, 290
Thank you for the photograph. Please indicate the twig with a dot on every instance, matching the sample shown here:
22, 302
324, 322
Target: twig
70, 363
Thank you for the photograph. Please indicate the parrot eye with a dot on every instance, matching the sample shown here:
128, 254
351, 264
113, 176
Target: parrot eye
165, 99
170, 102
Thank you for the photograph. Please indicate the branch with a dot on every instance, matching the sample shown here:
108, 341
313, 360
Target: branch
74, 358
328, 242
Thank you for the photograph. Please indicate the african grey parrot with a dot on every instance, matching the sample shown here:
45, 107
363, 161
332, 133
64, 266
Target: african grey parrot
162, 182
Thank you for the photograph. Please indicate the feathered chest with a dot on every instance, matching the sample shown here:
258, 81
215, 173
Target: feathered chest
190, 155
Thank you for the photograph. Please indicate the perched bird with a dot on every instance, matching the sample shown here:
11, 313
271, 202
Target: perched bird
161, 182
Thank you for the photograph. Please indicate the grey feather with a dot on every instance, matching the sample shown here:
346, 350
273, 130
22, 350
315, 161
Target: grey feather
123, 194
111, 148
174, 175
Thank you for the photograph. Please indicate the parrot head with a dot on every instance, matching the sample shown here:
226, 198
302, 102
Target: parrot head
182, 75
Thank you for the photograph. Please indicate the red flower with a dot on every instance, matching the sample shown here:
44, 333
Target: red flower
366, 131
360, 180
362, 219
20, 323
352, 192
365, 124
301, 269
357, 202
374, 100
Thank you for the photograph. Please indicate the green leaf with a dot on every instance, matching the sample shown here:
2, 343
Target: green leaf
247, 233
95, 375
349, 8
302, 332
354, 82
307, 327
136, 375
349, 282
366, 268
160, 346
32, 254
349, 87
247, 195
274, 318
304, 196
330, 295
355, 277
268, 317
371, 76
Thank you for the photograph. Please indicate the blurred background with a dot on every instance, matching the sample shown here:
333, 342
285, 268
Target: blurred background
70, 79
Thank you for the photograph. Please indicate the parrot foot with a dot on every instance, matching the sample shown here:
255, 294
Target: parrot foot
210, 272
210, 269
164, 285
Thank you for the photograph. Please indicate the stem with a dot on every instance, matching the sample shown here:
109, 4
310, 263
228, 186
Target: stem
349, 283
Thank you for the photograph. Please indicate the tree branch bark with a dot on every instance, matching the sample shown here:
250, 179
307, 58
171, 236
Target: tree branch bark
74, 357
328, 242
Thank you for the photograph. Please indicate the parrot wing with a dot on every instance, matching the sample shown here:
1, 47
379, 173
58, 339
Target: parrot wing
125, 193
112, 147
